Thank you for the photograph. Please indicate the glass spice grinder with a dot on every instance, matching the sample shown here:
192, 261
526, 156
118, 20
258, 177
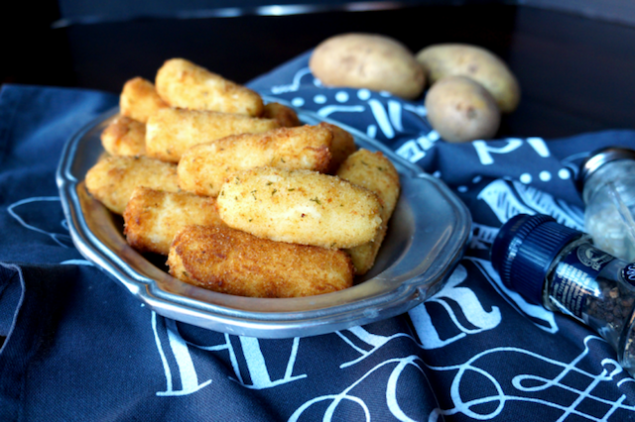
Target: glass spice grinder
561, 269
606, 182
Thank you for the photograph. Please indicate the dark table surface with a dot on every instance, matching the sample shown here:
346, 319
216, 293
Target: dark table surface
576, 73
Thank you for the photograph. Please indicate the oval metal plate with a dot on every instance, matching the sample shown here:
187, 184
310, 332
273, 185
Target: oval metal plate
426, 238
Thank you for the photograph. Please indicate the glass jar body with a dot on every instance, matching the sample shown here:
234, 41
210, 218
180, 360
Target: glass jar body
596, 288
609, 195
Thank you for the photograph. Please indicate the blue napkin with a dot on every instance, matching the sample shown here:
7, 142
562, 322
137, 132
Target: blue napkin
80, 347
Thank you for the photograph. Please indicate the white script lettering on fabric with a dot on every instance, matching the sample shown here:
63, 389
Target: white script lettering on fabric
471, 310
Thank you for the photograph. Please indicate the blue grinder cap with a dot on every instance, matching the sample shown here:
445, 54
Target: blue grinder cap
524, 249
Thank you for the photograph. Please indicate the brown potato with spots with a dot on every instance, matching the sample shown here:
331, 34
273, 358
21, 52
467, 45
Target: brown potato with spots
139, 99
342, 146
205, 167
477, 63
373, 171
113, 179
285, 116
461, 110
230, 261
184, 84
368, 61
124, 136
300, 206
153, 217
170, 131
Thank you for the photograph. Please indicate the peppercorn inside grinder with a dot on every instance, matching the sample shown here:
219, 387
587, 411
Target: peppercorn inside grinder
606, 182
560, 268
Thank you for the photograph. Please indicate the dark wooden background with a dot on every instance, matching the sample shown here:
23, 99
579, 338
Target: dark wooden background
577, 73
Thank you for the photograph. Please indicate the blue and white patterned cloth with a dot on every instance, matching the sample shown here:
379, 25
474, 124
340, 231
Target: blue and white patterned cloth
80, 347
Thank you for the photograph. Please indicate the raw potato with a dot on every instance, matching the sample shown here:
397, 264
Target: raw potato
443, 60
462, 110
369, 61
300, 206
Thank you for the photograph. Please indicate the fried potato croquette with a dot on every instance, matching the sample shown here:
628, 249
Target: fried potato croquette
139, 99
113, 179
285, 116
241, 196
124, 136
234, 262
342, 146
184, 84
153, 218
300, 206
205, 167
170, 131
374, 172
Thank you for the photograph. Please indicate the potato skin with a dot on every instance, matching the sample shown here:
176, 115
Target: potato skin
479, 64
184, 84
370, 61
124, 136
203, 168
139, 99
153, 217
234, 262
300, 206
170, 131
375, 172
461, 110
112, 179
